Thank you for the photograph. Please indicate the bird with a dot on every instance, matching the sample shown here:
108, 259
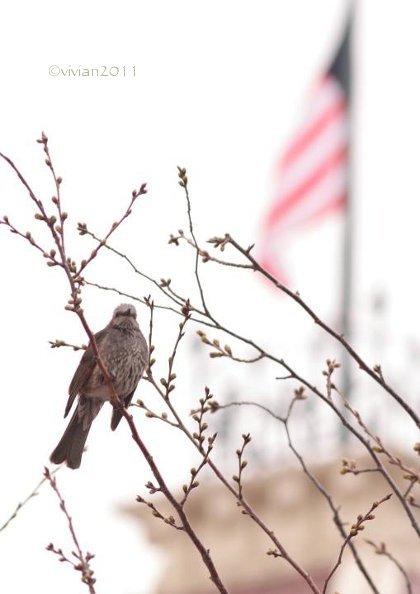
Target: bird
124, 352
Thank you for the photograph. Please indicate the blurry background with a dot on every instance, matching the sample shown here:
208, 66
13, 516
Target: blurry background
219, 88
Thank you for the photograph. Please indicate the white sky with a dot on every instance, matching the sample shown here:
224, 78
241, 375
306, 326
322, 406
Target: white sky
218, 89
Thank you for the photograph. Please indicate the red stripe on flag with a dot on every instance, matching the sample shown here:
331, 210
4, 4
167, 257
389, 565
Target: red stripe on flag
312, 180
287, 203
334, 112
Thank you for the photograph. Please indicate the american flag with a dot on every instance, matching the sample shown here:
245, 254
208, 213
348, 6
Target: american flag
311, 178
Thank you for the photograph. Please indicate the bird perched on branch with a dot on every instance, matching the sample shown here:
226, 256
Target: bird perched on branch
124, 353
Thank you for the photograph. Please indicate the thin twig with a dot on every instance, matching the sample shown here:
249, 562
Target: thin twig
410, 474
355, 529
204, 255
74, 304
299, 395
143, 301
169, 520
58, 343
292, 374
374, 372
246, 437
377, 377
83, 559
28, 237
83, 229
32, 494
382, 550
182, 174
197, 440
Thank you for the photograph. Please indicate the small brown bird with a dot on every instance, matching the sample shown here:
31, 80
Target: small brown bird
123, 350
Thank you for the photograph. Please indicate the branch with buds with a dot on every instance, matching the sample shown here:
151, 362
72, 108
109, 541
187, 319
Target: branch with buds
82, 560
199, 313
73, 273
242, 464
221, 243
357, 527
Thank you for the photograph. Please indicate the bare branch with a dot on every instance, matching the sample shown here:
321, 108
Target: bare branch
182, 174
197, 439
82, 228
83, 564
31, 495
382, 550
241, 464
74, 304
339, 523
357, 527
376, 376
170, 520
55, 344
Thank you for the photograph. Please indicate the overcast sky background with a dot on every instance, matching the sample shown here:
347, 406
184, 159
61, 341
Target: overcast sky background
218, 89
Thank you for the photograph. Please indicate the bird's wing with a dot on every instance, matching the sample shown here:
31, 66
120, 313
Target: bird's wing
117, 414
83, 371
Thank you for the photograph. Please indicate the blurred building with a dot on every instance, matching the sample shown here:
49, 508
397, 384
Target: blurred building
294, 509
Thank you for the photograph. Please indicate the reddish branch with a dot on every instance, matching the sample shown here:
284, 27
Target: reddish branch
300, 395
220, 242
197, 440
374, 372
203, 315
83, 559
208, 319
326, 398
76, 282
411, 475
357, 527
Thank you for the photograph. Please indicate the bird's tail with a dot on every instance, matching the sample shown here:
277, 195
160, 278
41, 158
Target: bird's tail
71, 445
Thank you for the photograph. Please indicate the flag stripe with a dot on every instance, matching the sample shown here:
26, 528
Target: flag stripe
312, 178
332, 139
322, 194
309, 134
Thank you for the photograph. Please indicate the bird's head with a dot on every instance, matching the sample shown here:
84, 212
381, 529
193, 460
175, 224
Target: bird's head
124, 316
125, 309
